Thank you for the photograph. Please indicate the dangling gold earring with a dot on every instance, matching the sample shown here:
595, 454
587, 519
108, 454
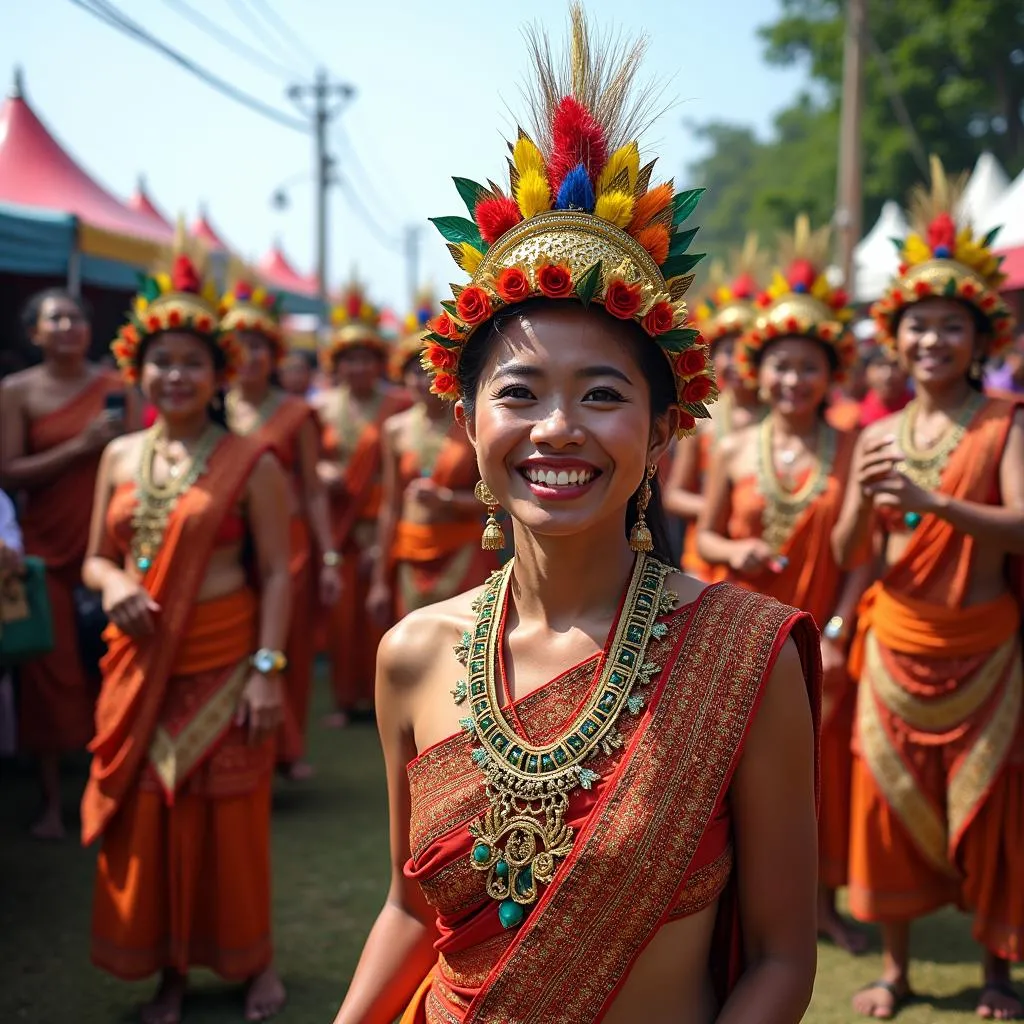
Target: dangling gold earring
977, 369
494, 537
640, 538
763, 395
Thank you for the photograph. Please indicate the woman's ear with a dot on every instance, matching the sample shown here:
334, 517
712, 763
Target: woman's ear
465, 422
663, 432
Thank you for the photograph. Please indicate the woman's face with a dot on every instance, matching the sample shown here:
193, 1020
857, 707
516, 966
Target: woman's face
936, 341
359, 368
562, 422
178, 375
296, 374
61, 329
795, 375
417, 382
259, 357
886, 377
722, 353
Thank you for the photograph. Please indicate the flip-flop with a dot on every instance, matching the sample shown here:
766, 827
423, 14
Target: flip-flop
899, 999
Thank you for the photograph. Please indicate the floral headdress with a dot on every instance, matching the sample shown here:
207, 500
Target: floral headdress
944, 259
729, 304
248, 307
800, 301
356, 325
411, 342
176, 299
580, 220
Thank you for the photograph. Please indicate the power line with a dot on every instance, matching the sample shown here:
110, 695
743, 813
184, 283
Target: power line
270, 44
380, 233
352, 155
108, 13
271, 17
227, 39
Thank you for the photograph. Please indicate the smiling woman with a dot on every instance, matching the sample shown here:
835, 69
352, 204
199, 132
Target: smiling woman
601, 774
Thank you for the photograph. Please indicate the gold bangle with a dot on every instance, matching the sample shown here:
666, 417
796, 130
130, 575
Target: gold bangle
331, 559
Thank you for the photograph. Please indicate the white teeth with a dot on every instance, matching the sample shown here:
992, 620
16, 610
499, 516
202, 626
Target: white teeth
563, 478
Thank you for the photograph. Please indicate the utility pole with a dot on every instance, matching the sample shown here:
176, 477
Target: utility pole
329, 99
849, 206
412, 261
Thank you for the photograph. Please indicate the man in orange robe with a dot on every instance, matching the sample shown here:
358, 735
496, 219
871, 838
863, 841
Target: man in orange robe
177, 792
50, 454
938, 778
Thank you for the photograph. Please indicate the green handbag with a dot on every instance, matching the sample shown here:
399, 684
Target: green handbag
25, 636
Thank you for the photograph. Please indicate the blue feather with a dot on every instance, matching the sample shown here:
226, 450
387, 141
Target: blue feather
576, 192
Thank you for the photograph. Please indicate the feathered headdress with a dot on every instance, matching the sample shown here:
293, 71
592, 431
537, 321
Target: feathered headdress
942, 258
800, 301
728, 306
410, 344
251, 307
356, 325
174, 297
579, 219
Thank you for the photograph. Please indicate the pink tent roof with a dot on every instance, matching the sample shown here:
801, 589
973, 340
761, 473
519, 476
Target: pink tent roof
141, 203
203, 229
35, 170
278, 272
1013, 268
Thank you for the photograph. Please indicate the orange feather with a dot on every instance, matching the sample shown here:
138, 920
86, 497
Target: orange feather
655, 240
649, 205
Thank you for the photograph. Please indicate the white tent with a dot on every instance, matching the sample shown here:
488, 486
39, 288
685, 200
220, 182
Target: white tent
985, 187
1008, 215
875, 258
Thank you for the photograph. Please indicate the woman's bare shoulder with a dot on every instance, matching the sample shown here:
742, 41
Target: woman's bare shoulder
415, 643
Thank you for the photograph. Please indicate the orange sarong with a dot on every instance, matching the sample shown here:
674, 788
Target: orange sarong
280, 433
811, 581
432, 562
938, 782
351, 636
57, 694
179, 796
692, 563
579, 942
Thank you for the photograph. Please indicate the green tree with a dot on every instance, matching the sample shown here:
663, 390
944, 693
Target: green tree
953, 69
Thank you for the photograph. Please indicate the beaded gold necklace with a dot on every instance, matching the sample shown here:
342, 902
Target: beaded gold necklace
271, 400
925, 465
782, 507
427, 439
524, 834
155, 502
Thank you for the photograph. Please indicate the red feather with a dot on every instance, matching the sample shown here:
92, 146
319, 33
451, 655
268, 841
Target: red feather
942, 233
495, 216
354, 304
577, 139
184, 277
801, 272
744, 287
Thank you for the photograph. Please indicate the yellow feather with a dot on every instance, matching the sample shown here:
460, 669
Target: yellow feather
471, 258
210, 292
141, 304
164, 281
616, 207
625, 158
915, 250
259, 296
821, 288
527, 157
532, 193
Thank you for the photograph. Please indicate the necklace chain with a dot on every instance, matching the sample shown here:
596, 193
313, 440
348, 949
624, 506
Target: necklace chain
524, 834
233, 402
155, 502
427, 440
925, 465
783, 508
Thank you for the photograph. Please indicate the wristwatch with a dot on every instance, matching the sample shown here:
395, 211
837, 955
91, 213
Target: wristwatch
266, 661
331, 559
835, 628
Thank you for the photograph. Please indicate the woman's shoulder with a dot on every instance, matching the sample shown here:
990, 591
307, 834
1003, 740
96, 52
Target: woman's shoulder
410, 648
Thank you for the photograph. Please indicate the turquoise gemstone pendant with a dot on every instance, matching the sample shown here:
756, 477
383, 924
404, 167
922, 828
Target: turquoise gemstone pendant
911, 520
144, 564
510, 914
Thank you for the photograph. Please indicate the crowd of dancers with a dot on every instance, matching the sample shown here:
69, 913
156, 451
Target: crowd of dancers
238, 510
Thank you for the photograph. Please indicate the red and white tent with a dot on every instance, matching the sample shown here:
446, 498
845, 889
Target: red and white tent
278, 272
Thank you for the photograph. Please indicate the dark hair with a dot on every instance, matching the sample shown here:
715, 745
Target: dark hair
982, 329
34, 306
216, 410
653, 365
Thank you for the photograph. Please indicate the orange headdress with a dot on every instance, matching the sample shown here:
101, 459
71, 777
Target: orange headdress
728, 305
942, 258
580, 220
410, 344
174, 299
800, 301
356, 325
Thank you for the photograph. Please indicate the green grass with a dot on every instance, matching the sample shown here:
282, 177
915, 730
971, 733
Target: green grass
330, 870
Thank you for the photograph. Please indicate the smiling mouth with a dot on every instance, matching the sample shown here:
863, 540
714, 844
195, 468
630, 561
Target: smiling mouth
559, 478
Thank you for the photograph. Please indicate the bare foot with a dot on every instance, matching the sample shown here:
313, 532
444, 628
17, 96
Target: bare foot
841, 932
49, 826
999, 1001
882, 999
265, 995
337, 720
298, 771
165, 1006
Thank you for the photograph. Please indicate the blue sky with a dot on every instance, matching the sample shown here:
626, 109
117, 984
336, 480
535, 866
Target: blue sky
436, 82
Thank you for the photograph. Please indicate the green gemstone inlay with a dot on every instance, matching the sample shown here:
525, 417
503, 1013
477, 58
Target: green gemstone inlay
588, 728
575, 741
481, 853
546, 763
627, 658
561, 757
501, 869
531, 764
510, 914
